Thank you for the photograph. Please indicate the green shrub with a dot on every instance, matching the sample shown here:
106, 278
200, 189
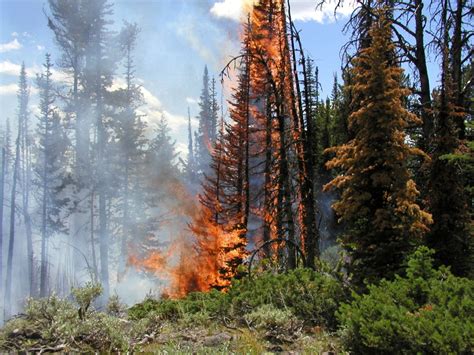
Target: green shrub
268, 316
428, 311
141, 310
311, 296
84, 296
52, 322
208, 303
115, 307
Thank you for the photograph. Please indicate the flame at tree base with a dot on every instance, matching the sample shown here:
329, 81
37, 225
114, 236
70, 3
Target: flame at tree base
206, 260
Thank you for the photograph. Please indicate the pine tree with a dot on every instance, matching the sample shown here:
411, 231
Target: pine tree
23, 97
162, 176
26, 176
131, 143
214, 112
203, 136
190, 163
450, 236
206, 134
98, 76
378, 199
2, 205
68, 21
51, 174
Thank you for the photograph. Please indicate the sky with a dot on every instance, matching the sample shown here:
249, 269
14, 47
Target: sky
177, 39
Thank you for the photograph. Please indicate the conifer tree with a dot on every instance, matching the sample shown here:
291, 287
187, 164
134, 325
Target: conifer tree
190, 163
378, 198
2, 205
50, 168
162, 175
23, 97
131, 143
26, 176
204, 134
450, 235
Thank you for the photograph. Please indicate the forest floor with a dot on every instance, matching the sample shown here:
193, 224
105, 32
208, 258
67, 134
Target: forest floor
218, 339
178, 338
288, 313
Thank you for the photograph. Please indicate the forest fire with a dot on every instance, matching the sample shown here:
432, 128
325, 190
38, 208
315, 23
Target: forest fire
195, 261
128, 226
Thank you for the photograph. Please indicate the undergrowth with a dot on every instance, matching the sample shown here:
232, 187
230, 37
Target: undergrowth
427, 311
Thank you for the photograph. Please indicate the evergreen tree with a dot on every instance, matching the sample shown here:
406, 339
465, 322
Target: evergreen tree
25, 176
378, 199
98, 76
131, 143
51, 173
205, 136
162, 177
2, 205
23, 97
214, 112
451, 234
190, 164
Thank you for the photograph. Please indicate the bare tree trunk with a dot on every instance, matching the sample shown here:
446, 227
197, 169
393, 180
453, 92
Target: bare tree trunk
267, 200
81, 171
125, 224
44, 262
456, 63
310, 230
420, 63
8, 285
2, 203
92, 241
284, 187
26, 179
104, 240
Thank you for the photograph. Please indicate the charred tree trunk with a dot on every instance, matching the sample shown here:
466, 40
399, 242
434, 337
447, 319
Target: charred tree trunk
456, 64
305, 151
425, 93
267, 199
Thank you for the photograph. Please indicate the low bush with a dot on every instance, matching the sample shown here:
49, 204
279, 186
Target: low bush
54, 324
210, 304
311, 296
268, 316
428, 311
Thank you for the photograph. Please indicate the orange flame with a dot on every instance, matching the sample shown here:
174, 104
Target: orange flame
198, 262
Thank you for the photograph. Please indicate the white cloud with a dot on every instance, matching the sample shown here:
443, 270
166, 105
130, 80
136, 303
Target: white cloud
10, 46
9, 89
151, 100
40, 47
9, 68
192, 100
301, 10
14, 34
307, 10
231, 9
13, 69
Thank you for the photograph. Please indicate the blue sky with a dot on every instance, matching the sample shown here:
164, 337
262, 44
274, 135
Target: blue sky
178, 37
